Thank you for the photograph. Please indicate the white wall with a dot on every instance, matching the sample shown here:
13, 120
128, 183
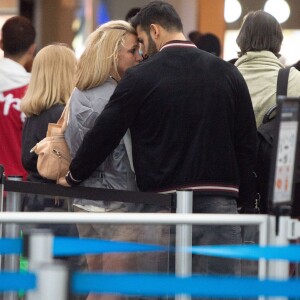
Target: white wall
187, 10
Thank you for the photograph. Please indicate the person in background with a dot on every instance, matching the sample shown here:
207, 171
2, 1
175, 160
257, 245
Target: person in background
232, 60
193, 35
18, 45
192, 126
297, 65
49, 89
111, 50
260, 39
131, 13
210, 43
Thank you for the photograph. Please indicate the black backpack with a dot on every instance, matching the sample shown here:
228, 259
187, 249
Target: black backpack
266, 135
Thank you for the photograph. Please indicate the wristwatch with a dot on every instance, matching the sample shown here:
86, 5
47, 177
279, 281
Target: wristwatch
71, 180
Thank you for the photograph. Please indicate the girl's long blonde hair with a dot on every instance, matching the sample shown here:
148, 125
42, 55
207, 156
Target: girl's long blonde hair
52, 79
100, 57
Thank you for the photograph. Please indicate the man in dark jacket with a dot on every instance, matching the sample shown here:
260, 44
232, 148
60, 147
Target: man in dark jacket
192, 127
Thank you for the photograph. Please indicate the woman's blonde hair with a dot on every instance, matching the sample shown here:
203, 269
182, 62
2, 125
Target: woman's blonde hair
100, 57
52, 79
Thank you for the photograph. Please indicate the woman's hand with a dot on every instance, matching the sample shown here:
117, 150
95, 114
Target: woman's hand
62, 181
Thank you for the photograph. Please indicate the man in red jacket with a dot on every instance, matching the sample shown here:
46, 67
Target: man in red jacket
18, 36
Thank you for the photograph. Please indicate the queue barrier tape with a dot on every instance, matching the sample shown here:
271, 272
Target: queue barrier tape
250, 252
65, 246
75, 246
13, 281
10, 246
197, 285
161, 285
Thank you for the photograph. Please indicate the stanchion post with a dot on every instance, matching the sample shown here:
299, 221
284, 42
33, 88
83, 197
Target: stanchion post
263, 241
12, 262
38, 247
278, 236
183, 258
52, 277
2, 176
52, 282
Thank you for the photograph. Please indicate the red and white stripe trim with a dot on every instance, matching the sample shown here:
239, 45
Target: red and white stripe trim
204, 188
178, 45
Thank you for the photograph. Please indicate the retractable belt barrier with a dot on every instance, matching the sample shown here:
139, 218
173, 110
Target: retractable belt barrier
161, 285
155, 284
16, 188
167, 200
68, 246
183, 284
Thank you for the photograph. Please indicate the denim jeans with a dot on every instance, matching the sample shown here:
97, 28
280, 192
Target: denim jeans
250, 235
215, 235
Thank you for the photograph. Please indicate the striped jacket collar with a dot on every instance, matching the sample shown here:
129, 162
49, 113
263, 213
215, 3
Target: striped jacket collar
171, 44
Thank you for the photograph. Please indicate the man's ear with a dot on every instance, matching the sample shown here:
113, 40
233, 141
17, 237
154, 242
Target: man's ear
154, 31
29, 57
31, 49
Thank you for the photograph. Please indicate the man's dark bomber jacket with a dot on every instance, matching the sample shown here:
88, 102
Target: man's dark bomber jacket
191, 121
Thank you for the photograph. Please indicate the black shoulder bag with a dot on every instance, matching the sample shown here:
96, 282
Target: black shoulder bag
266, 134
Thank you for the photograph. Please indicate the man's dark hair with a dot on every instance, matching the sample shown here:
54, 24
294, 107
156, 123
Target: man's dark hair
18, 34
209, 43
260, 31
158, 12
131, 13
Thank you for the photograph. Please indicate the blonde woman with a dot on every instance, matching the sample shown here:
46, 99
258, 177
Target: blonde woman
111, 50
50, 87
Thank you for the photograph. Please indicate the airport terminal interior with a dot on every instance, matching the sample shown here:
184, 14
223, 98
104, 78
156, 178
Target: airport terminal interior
70, 21
153, 246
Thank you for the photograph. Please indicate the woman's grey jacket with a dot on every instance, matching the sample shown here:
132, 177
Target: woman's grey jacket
115, 172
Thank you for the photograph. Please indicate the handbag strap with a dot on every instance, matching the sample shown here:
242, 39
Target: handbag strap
282, 81
64, 118
282, 86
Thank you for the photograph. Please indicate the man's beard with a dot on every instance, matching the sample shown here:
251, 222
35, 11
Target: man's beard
151, 47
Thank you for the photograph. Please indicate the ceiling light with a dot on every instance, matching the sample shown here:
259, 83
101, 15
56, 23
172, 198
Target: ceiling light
232, 10
280, 9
